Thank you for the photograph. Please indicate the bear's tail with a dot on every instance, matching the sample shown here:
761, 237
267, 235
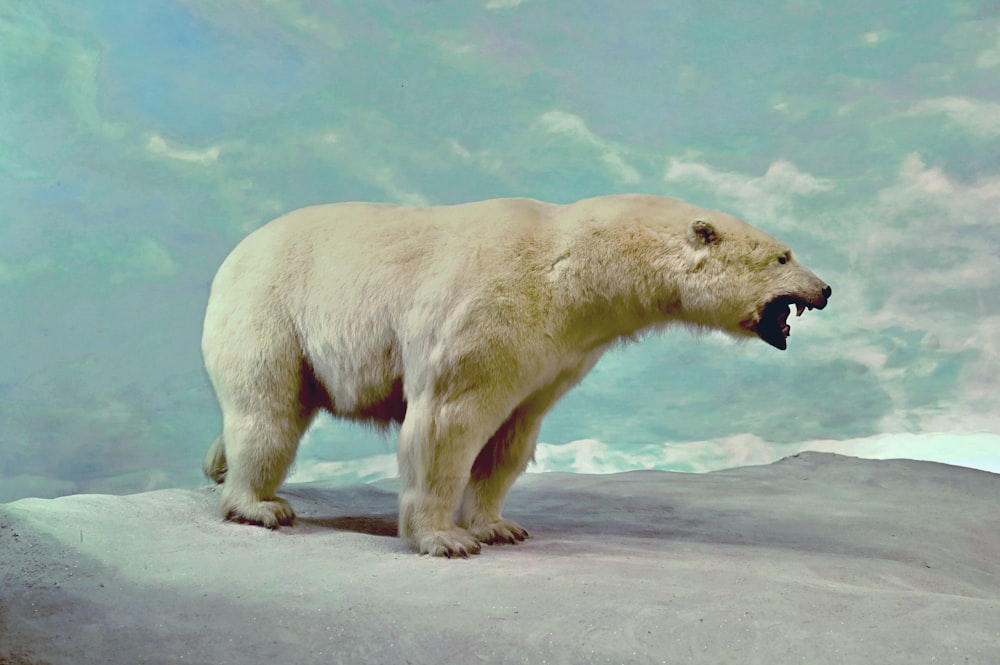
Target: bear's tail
214, 466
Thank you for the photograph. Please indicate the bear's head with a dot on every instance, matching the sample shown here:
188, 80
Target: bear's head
744, 282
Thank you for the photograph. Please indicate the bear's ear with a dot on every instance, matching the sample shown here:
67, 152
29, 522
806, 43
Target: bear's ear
702, 233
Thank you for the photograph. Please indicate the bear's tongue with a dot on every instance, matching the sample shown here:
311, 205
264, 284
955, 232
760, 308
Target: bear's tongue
773, 325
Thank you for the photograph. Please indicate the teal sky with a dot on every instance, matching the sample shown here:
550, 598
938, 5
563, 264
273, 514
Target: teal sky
140, 141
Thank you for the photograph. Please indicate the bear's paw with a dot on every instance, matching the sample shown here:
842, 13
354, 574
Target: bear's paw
450, 543
500, 531
271, 514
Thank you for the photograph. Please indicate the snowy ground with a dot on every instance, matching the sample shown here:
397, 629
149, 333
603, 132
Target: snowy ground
817, 558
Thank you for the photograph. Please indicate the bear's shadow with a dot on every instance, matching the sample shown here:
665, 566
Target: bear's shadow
371, 525
566, 513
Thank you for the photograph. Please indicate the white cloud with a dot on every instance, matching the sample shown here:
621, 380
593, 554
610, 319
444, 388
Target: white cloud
990, 57
977, 450
731, 451
160, 146
485, 159
924, 263
296, 17
978, 117
914, 174
762, 197
617, 165
142, 258
574, 127
365, 470
503, 4
25, 270
593, 456
460, 150
386, 179
148, 258
919, 186
875, 37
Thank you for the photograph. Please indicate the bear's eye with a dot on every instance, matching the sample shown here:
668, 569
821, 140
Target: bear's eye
783, 259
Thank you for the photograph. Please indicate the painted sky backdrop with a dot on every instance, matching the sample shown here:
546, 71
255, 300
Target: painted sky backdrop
139, 142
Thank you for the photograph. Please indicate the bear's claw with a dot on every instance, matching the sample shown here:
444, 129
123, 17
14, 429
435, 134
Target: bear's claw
450, 544
269, 514
501, 531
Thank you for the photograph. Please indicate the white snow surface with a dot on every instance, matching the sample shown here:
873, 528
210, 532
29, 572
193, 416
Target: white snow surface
817, 558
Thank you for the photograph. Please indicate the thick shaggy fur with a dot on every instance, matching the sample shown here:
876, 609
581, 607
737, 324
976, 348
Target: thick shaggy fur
464, 325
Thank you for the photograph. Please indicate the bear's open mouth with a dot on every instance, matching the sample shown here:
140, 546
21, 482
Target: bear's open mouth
773, 326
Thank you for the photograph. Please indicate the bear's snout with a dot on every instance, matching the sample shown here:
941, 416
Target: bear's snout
820, 303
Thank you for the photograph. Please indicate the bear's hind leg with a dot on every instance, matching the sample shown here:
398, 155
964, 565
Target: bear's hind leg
497, 466
259, 449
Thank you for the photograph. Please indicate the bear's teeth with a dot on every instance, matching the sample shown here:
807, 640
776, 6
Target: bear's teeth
799, 307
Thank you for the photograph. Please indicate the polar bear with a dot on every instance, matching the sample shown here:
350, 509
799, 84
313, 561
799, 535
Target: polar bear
462, 324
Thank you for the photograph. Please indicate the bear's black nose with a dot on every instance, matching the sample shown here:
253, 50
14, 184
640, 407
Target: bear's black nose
827, 291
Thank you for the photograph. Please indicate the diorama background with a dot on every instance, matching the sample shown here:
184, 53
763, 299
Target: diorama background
140, 141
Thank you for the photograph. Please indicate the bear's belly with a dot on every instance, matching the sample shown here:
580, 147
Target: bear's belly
372, 397
383, 407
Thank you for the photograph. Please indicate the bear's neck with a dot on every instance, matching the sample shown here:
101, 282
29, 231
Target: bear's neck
609, 284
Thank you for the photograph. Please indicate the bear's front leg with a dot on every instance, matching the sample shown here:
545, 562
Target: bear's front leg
438, 442
495, 469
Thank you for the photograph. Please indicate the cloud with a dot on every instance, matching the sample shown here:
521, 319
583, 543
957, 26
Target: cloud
141, 258
486, 160
493, 5
979, 118
346, 472
770, 196
974, 450
460, 150
918, 185
593, 456
989, 58
18, 487
875, 37
575, 128
920, 294
581, 456
977, 450
302, 17
74, 424
273, 22
148, 259
386, 178
25, 270
160, 146
954, 202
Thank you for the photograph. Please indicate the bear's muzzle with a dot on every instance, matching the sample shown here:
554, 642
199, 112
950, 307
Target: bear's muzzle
773, 325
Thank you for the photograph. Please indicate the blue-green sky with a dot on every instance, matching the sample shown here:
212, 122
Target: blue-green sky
140, 141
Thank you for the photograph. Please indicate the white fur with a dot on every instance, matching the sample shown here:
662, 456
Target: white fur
479, 316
